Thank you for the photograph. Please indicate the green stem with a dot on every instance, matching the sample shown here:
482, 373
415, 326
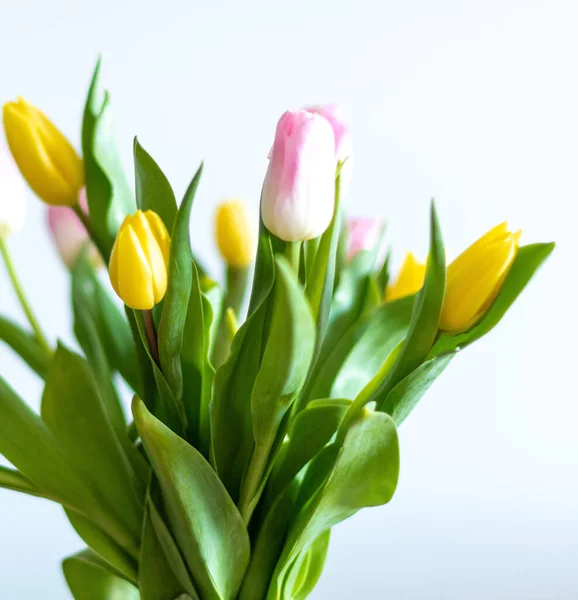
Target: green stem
234, 295
293, 254
40, 337
151, 333
85, 220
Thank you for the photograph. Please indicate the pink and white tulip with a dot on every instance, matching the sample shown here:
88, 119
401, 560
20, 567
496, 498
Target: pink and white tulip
299, 188
69, 234
343, 142
363, 234
12, 195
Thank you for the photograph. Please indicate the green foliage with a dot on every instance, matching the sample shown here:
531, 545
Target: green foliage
25, 345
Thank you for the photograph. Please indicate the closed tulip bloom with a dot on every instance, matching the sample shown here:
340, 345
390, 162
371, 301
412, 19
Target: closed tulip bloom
476, 276
44, 156
299, 188
12, 197
235, 235
69, 234
139, 260
409, 281
363, 234
342, 136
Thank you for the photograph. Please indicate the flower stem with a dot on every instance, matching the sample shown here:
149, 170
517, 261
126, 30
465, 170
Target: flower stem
85, 220
151, 333
293, 255
40, 337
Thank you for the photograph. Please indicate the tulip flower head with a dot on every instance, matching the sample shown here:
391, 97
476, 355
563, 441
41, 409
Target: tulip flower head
299, 188
476, 276
44, 156
12, 196
69, 234
363, 234
409, 281
235, 235
139, 260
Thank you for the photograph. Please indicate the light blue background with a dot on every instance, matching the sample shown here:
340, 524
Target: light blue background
475, 103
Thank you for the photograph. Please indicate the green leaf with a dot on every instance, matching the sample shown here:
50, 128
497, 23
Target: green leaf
153, 190
198, 373
284, 367
11, 479
267, 548
357, 356
157, 580
108, 194
321, 280
25, 345
169, 548
424, 320
163, 404
86, 310
73, 409
89, 578
99, 541
30, 446
206, 524
526, 263
363, 473
308, 433
287, 354
306, 570
178, 292
408, 392
230, 409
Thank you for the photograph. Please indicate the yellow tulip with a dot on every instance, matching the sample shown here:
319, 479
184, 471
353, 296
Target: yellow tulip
409, 281
476, 276
139, 260
48, 162
235, 236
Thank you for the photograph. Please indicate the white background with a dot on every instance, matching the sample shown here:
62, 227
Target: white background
474, 103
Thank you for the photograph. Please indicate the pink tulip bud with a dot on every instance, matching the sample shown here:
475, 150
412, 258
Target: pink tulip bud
343, 144
299, 187
12, 195
69, 233
363, 234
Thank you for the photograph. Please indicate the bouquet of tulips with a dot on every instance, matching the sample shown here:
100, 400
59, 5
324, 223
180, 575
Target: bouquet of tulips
250, 438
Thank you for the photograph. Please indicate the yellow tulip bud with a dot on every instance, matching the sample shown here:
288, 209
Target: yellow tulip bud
139, 260
235, 236
409, 281
44, 156
476, 276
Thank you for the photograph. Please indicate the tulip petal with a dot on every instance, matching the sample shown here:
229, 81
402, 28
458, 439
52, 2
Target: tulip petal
152, 252
135, 276
160, 233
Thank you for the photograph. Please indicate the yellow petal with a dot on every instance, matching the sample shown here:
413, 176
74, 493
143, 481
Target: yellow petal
32, 158
153, 253
409, 281
135, 279
473, 287
160, 232
235, 235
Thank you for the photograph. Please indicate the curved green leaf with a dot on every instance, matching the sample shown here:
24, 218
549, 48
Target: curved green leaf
153, 190
73, 409
425, 317
204, 520
11, 479
89, 578
109, 196
103, 545
363, 472
25, 345
178, 292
